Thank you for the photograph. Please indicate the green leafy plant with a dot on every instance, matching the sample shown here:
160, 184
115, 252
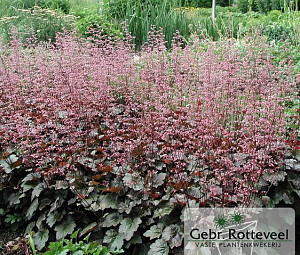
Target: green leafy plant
48, 206
63, 5
31, 243
278, 32
95, 25
78, 247
14, 220
43, 24
264, 6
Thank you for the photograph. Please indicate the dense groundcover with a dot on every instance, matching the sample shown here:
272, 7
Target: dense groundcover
97, 137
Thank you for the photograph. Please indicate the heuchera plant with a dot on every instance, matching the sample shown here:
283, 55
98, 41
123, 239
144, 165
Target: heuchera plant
204, 123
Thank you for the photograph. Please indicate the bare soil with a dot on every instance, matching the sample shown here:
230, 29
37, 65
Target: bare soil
13, 242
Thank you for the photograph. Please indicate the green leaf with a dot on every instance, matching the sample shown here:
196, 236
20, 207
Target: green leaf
32, 208
164, 208
194, 192
55, 245
75, 234
7, 163
57, 203
136, 239
39, 221
133, 181
160, 165
78, 253
40, 238
10, 218
64, 252
126, 206
31, 243
6, 167
14, 199
72, 201
12, 158
65, 228
86, 239
142, 249
114, 239
29, 227
155, 231
297, 192
160, 247
279, 195
129, 226
27, 186
158, 179
87, 228
37, 190
31, 176
107, 201
113, 219
288, 199
172, 235
54, 217
2, 211
44, 203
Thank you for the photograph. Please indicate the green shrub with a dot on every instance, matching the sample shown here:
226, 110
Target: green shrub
63, 5
41, 23
14, 221
90, 24
248, 5
48, 206
276, 26
278, 32
78, 247
82, 12
119, 215
83, 8
6, 8
264, 6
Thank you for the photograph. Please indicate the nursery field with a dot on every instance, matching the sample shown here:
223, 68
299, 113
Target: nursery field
116, 116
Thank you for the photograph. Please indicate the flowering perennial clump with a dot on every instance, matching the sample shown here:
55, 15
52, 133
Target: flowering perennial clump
206, 118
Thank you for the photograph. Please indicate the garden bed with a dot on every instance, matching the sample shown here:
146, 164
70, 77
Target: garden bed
97, 139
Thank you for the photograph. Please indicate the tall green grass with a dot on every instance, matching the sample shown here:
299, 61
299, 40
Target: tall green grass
171, 17
83, 8
40, 23
7, 8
